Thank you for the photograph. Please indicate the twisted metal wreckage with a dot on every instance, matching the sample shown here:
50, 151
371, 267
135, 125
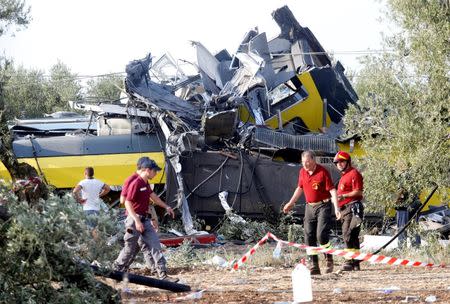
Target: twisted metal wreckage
235, 127
236, 103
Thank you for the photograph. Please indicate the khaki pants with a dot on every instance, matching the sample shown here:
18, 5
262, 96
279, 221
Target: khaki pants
148, 242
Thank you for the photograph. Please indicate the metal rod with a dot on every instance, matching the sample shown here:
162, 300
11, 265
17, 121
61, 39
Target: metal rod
142, 280
409, 222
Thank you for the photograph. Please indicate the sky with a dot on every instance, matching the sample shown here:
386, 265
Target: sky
96, 37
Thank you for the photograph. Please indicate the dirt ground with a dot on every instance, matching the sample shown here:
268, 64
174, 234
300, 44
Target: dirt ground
373, 284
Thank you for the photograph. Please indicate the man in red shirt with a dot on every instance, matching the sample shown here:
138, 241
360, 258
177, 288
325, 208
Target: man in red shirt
138, 226
123, 195
126, 184
350, 194
315, 181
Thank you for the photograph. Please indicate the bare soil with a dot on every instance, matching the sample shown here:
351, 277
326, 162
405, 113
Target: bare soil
373, 284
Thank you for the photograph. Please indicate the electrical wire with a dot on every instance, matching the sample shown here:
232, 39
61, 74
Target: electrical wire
356, 52
209, 177
238, 186
230, 192
67, 76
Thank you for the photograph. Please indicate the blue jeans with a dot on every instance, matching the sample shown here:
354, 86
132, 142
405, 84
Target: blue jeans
92, 218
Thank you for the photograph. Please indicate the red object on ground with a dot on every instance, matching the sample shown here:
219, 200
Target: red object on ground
195, 239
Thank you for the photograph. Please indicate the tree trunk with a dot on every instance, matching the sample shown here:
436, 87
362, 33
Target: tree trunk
31, 188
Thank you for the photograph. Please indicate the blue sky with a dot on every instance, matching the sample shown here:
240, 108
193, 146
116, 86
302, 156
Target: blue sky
98, 36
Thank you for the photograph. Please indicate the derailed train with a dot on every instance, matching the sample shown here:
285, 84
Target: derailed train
238, 125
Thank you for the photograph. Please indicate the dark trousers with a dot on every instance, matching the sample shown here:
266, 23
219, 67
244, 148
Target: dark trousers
317, 224
402, 217
350, 227
350, 235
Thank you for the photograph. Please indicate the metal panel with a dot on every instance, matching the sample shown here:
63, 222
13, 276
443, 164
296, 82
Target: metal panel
86, 145
266, 137
264, 182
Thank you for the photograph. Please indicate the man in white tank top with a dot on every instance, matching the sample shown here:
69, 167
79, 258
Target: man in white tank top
88, 193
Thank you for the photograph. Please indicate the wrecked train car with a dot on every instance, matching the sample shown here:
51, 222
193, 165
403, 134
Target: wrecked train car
60, 148
238, 125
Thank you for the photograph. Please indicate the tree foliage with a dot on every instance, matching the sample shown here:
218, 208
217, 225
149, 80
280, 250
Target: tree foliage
31, 93
45, 247
62, 86
42, 249
13, 13
105, 88
402, 115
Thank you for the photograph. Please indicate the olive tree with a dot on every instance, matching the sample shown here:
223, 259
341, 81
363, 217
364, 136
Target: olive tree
44, 247
12, 13
105, 88
402, 115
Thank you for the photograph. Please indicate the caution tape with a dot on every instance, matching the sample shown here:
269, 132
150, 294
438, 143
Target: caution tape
373, 258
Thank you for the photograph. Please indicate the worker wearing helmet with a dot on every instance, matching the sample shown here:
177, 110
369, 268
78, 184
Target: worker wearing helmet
350, 194
315, 181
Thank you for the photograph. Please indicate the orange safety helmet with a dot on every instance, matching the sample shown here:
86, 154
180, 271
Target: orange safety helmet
341, 155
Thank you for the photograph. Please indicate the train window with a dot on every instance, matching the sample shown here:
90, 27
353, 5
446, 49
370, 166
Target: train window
288, 89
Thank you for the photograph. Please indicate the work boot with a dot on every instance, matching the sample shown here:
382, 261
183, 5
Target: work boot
163, 276
313, 264
330, 264
356, 265
348, 265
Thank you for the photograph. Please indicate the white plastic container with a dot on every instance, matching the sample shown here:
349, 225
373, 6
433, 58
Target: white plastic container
277, 251
302, 284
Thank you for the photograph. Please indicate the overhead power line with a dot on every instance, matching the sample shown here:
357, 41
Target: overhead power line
331, 52
75, 76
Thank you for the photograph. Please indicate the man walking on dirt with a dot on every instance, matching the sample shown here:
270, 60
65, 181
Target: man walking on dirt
137, 224
315, 181
350, 194
126, 184
123, 195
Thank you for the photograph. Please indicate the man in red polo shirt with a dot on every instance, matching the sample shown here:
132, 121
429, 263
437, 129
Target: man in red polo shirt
350, 194
138, 226
315, 181
126, 184
123, 195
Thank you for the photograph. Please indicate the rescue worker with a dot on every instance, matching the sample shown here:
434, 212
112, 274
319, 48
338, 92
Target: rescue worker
147, 257
126, 184
350, 194
315, 181
138, 225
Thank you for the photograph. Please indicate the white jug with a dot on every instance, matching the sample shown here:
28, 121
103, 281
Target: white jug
301, 284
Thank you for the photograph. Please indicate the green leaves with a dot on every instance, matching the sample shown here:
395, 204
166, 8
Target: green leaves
42, 249
31, 93
402, 118
106, 88
13, 12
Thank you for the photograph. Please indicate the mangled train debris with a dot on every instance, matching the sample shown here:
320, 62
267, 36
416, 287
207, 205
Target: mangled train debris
266, 101
438, 219
237, 125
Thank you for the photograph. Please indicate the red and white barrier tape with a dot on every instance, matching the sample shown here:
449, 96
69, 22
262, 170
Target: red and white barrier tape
374, 258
